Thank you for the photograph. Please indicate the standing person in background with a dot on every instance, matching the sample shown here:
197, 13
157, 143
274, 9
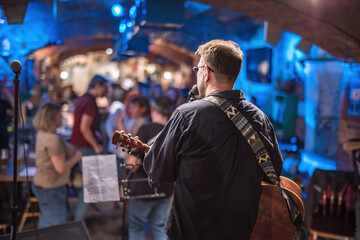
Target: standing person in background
135, 115
6, 103
54, 159
85, 135
151, 211
128, 118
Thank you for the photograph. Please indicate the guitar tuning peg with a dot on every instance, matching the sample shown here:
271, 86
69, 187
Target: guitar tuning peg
130, 152
129, 134
136, 137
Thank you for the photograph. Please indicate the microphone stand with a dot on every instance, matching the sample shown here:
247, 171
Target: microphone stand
14, 207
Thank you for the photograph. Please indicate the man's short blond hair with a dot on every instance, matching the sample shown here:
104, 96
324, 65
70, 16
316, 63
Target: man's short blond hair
223, 57
44, 119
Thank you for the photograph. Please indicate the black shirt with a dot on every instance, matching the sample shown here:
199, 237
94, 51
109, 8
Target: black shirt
218, 179
145, 134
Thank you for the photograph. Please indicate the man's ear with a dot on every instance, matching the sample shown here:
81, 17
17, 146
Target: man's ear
207, 75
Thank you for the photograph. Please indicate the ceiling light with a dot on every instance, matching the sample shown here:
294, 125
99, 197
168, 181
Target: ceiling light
64, 75
167, 75
122, 27
117, 10
109, 51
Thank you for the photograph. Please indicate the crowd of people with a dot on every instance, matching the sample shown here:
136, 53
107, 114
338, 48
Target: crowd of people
58, 161
208, 175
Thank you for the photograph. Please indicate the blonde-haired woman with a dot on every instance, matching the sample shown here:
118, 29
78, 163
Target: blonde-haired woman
54, 159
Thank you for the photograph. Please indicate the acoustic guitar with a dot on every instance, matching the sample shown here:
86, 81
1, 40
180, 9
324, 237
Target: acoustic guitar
273, 221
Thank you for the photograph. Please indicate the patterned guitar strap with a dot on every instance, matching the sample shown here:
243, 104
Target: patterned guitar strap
259, 150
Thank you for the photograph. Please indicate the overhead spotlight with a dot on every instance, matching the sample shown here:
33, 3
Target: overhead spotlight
122, 27
129, 24
132, 12
117, 10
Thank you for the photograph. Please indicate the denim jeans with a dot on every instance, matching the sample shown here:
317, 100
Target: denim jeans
81, 206
52, 203
151, 212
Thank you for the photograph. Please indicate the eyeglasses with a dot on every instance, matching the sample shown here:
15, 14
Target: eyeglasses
196, 69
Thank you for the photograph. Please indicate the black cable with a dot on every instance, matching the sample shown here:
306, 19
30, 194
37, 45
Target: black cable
26, 167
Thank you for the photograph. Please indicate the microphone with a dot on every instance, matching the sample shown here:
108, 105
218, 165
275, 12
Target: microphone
193, 94
15, 66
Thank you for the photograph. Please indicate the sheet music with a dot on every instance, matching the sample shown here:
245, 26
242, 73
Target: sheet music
100, 178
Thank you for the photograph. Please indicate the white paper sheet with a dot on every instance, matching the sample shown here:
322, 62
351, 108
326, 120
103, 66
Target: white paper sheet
100, 178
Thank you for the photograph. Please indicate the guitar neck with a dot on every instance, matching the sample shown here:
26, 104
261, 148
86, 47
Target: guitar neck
129, 143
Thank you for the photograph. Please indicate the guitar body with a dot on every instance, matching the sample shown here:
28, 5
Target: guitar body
273, 221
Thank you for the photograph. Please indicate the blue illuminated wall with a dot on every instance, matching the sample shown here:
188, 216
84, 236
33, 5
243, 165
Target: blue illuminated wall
38, 30
349, 127
322, 106
284, 60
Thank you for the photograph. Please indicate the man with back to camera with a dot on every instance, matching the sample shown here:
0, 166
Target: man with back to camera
217, 176
85, 131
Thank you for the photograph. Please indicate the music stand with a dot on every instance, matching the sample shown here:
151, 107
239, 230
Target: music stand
124, 189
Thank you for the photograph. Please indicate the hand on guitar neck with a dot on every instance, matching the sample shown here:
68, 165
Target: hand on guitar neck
133, 145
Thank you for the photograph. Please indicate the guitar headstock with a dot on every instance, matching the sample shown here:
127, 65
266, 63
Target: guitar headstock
131, 144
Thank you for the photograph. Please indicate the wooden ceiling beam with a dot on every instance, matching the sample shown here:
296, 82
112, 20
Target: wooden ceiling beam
331, 28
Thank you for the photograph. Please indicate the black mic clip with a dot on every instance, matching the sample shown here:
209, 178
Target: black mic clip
193, 94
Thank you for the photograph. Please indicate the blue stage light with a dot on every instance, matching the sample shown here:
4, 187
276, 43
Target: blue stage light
122, 27
117, 10
132, 12
129, 24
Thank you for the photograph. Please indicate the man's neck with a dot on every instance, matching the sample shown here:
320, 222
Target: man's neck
218, 88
